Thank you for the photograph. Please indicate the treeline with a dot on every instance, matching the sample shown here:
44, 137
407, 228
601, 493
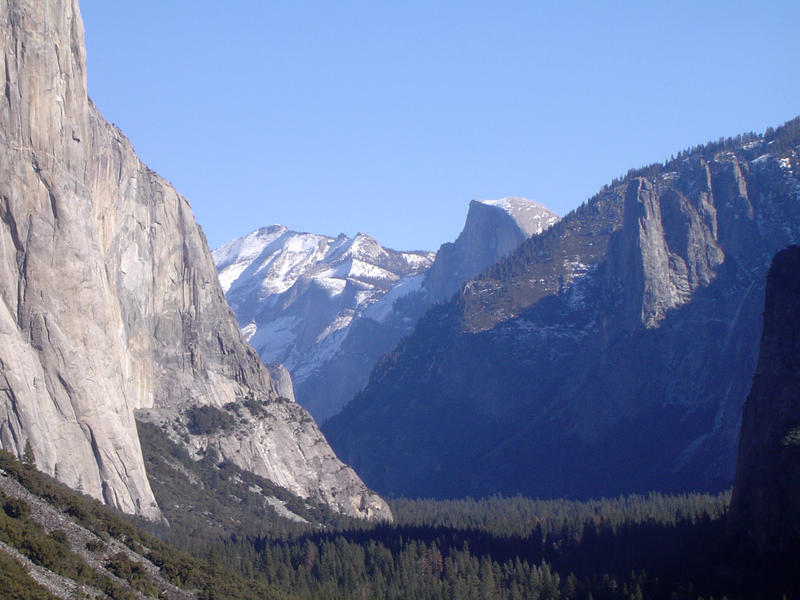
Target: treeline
650, 546
653, 546
776, 141
601, 214
519, 516
641, 546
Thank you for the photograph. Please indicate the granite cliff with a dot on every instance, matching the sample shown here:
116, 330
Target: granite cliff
766, 493
493, 230
111, 309
610, 354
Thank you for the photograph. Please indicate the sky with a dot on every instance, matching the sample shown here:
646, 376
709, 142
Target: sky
388, 117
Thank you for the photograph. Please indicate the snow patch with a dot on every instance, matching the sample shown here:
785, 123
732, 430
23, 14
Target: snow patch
361, 269
230, 274
299, 293
249, 330
380, 310
532, 217
272, 338
333, 286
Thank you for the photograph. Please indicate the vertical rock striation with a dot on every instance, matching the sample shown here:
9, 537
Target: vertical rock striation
110, 301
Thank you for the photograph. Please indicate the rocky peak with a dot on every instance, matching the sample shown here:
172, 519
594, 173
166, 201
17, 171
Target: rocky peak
531, 217
605, 337
493, 230
111, 307
298, 296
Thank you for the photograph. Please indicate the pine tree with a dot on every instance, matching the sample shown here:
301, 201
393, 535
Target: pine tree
28, 458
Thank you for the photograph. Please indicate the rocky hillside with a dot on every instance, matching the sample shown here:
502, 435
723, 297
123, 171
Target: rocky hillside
111, 309
766, 493
610, 354
55, 543
329, 308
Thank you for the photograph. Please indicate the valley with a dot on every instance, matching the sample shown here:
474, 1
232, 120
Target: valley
601, 405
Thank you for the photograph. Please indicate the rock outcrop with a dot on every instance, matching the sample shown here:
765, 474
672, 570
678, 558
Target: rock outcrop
493, 230
766, 495
610, 354
110, 302
328, 308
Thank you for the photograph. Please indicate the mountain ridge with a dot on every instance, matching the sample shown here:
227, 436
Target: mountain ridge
597, 344
298, 296
328, 308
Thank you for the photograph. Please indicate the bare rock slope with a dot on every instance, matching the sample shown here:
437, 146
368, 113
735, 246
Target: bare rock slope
493, 230
110, 300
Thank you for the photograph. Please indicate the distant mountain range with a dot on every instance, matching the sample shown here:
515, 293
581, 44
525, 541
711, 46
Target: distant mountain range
328, 308
611, 353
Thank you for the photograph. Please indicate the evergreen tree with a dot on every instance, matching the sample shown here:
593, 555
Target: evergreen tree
28, 458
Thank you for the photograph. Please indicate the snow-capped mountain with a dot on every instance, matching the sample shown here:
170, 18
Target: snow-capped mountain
493, 230
329, 308
297, 296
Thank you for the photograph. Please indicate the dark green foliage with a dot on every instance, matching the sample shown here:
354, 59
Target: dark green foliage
234, 408
132, 572
59, 537
28, 457
211, 580
96, 546
651, 546
654, 546
203, 420
53, 552
16, 508
16, 583
784, 138
255, 408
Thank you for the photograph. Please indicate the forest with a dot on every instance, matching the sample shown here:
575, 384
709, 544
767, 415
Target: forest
639, 546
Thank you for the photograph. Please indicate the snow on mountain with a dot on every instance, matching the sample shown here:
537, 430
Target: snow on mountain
329, 308
493, 229
297, 295
530, 216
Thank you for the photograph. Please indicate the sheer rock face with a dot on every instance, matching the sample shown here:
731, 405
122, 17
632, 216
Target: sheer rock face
610, 354
110, 300
766, 493
493, 230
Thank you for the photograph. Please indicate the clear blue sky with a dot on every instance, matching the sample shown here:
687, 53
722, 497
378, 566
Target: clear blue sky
388, 117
